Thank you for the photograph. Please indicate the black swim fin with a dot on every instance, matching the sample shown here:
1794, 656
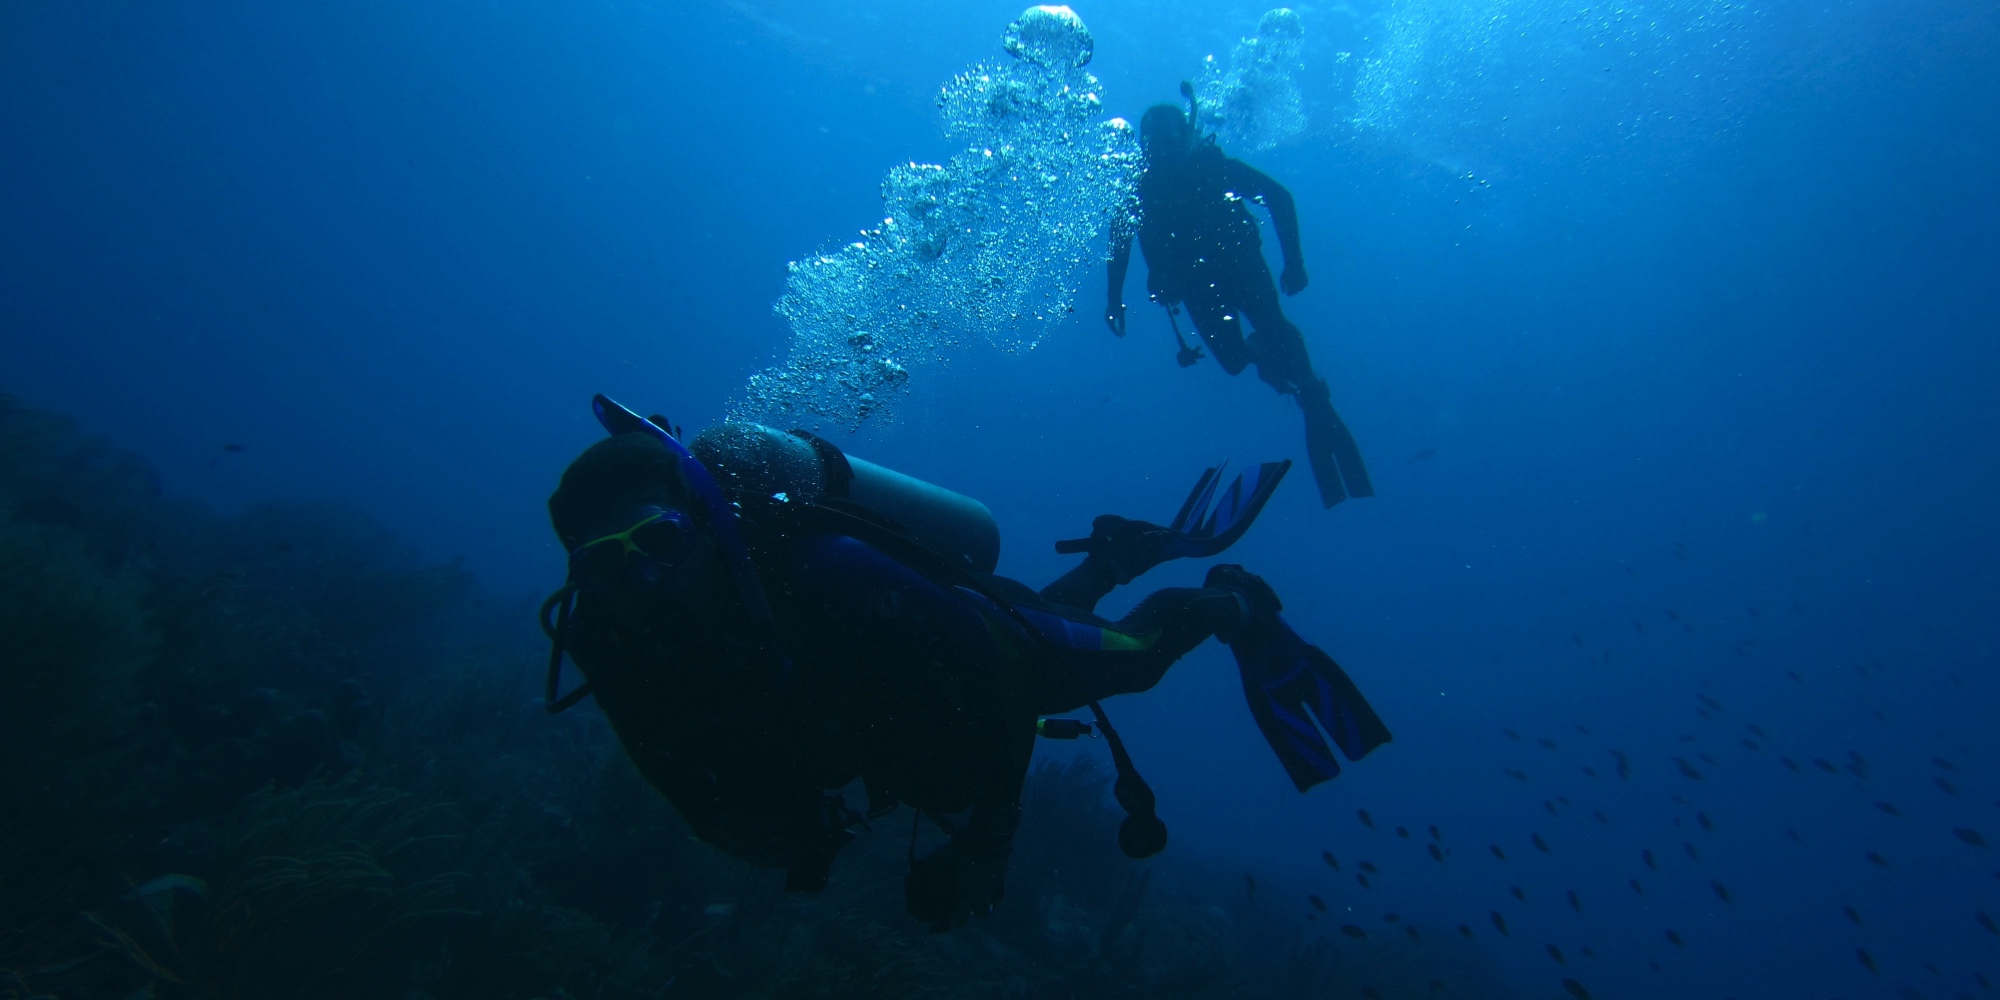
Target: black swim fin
1289, 682
1330, 449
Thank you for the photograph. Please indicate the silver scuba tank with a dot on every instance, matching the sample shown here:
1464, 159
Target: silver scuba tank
753, 460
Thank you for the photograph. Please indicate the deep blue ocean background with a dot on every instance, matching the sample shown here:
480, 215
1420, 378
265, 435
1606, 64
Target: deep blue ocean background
1672, 351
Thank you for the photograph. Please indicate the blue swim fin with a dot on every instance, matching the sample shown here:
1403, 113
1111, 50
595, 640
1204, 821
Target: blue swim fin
1204, 530
1289, 682
1211, 519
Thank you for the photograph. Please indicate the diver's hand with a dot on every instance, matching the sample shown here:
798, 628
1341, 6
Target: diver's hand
1114, 317
1294, 279
962, 879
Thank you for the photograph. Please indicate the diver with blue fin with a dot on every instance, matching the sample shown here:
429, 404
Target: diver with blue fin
764, 619
1203, 253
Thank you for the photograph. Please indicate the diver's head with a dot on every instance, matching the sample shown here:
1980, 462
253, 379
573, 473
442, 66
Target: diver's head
1166, 135
637, 547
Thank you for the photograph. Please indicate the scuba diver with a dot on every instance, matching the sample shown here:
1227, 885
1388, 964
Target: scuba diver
1203, 252
764, 619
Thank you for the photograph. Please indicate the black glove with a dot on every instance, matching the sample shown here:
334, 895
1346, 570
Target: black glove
964, 878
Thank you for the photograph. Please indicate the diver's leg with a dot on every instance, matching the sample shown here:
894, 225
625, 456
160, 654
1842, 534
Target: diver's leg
1221, 328
1282, 362
1135, 652
1277, 346
1082, 587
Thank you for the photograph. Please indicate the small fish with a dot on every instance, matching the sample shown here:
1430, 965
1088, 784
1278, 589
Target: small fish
1687, 770
1550, 806
1825, 765
1794, 834
1867, 960
1751, 745
1708, 759
1756, 730
1414, 936
1518, 893
1794, 675
1497, 852
1875, 858
1708, 701
234, 448
1512, 735
1590, 771
1889, 807
1655, 966
1390, 918
1706, 823
1423, 456
1557, 954
1250, 885
1435, 835
1515, 773
1576, 989
1624, 766
1363, 879
1944, 764
1673, 937
1464, 931
1327, 856
1352, 931
1403, 832
1945, 786
1575, 901
1317, 903
1788, 762
1547, 743
1437, 853
1852, 913
1647, 856
1636, 887
1499, 923
1540, 844
1721, 891
1987, 922
1368, 866
1970, 836
1980, 978
1691, 851
1598, 815
1366, 820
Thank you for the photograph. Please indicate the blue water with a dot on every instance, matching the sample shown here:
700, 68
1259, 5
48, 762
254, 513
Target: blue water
1691, 309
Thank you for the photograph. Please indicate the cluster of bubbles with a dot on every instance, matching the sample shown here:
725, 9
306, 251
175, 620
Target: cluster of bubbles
1255, 103
1443, 67
986, 248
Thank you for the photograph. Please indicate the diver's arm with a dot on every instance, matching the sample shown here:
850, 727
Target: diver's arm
1114, 296
1253, 183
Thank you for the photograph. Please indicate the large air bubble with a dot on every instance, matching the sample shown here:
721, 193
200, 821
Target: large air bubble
1049, 36
985, 250
1254, 103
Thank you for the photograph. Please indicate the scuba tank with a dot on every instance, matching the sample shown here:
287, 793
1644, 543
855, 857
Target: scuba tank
753, 461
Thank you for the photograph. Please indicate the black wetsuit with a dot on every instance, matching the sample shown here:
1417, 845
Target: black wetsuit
1203, 250
923, 681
